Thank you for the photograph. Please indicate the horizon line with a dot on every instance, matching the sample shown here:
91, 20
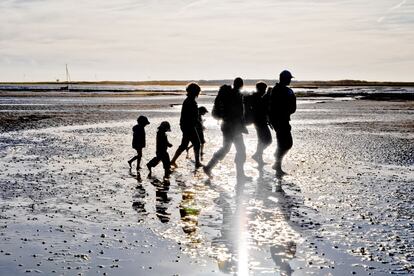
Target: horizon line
201, 80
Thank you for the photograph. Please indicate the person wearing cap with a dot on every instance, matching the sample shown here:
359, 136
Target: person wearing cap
189, 122
282, 104
138, 140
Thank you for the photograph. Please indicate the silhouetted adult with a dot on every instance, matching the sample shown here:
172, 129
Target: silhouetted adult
189, 123
258, 105
282, 105
229, 103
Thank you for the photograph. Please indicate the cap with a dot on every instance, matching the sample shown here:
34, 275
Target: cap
165, 126
285, 74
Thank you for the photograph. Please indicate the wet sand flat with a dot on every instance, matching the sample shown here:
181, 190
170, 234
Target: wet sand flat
69, 204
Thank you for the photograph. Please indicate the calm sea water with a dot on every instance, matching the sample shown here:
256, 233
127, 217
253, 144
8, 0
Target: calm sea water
206, 88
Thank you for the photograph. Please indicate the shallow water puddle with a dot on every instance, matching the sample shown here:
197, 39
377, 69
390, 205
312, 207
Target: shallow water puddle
69, 199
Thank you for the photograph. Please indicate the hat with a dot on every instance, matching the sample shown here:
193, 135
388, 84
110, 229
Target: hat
202, 110
285, 74
165, 126
142, 120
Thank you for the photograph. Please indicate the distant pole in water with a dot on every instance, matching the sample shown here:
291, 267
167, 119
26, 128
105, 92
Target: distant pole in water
67, 76
68, 80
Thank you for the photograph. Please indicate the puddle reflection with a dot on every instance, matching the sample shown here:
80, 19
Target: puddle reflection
251, 229
162, 199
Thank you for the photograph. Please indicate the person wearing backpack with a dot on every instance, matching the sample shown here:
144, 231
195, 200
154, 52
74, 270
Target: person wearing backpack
256, 109
228, 107
282, 104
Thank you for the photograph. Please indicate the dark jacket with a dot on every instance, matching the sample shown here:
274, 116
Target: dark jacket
282, 105
138, 138
233, 113
189, 115
162, 142
258, 106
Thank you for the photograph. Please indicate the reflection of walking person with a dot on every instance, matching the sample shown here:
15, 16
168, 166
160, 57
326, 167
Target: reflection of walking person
189, 122
138, 140
161, 149
228, 106
282, 105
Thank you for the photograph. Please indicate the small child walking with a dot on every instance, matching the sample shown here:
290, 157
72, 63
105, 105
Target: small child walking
161, 150
138, 140
200, 132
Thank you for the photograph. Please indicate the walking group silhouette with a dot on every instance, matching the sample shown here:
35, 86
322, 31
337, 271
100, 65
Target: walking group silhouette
267, 107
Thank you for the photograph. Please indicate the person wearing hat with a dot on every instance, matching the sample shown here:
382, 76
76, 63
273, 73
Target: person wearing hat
189, 122
282, 104
161, 154
138, 140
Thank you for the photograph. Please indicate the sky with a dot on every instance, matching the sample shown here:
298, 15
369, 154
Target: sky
206, 39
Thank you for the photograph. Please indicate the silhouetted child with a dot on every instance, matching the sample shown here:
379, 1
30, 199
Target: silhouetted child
138, 140
161, 149
200, 131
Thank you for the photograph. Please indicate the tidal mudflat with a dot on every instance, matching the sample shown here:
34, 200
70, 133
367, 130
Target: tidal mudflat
70, 205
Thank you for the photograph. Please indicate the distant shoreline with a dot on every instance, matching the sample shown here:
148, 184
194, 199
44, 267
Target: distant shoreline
297, 84
379, 96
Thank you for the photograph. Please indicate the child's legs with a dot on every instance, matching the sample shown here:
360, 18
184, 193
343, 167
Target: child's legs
165, 158
138, 157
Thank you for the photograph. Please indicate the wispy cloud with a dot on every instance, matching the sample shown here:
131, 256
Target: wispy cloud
390, 10
129, 39
398, 5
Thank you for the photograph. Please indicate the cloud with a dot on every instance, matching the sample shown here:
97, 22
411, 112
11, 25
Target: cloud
392, 10
398, 5
128, 39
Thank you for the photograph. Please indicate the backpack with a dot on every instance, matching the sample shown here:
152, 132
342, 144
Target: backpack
218, 108
248, 106
218, 111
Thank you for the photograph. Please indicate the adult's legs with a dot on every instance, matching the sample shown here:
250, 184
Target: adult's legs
190, 135
182, 147
284, 144
220, 154
240, 157
264, 139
